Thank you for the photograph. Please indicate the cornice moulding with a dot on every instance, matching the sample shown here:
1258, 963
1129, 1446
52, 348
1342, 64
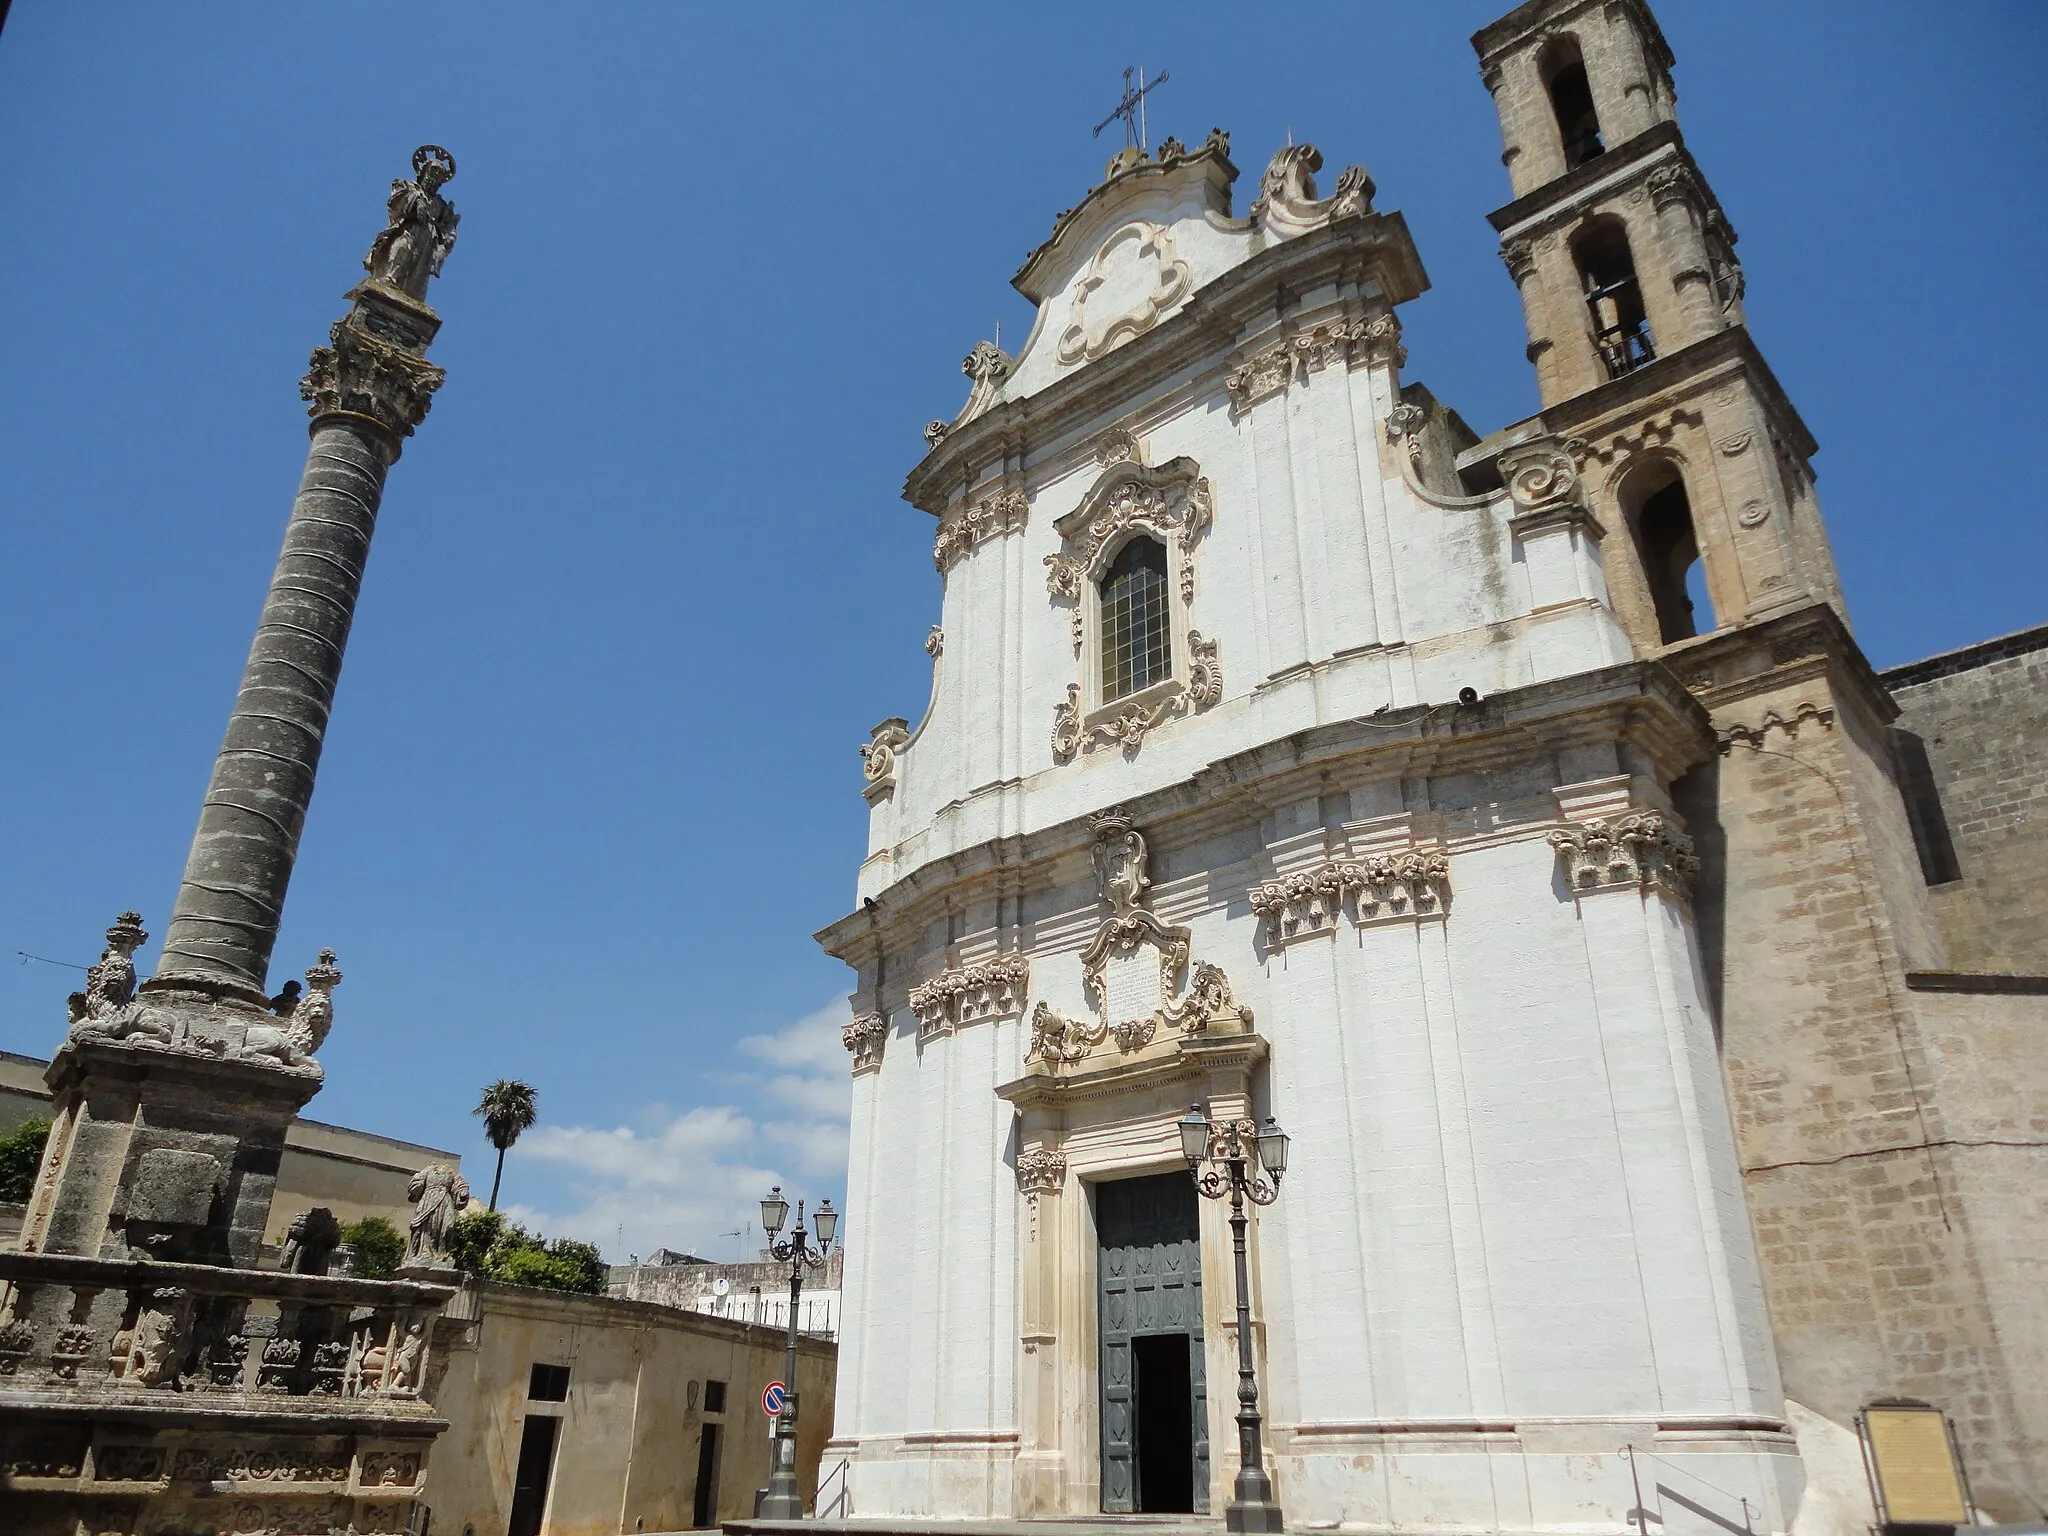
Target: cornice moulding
1639, 703
1536, 17
1559, 203
1603, 411
1807, 645
1192, 1060
1210, 165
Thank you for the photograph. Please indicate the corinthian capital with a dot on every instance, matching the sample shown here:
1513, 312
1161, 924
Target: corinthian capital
361, 374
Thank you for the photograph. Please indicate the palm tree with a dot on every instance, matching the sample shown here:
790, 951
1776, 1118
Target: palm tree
507, 1108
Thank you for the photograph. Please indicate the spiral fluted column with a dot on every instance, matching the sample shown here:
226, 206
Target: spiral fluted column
367, 391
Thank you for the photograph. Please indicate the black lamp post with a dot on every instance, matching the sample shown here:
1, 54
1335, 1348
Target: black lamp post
783, 1501
1229, 1147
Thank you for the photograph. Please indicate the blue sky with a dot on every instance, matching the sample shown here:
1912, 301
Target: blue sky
643, 580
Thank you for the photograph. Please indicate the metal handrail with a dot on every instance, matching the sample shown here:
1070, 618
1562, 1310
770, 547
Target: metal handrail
845, 1492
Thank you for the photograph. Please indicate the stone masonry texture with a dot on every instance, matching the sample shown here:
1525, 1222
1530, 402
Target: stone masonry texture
1981, 714
1890, 1213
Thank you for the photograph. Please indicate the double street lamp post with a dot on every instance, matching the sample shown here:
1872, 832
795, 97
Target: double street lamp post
1236, 1151
783, 1501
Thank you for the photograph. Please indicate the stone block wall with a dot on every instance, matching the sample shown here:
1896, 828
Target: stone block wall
1887, 1238
1980, 714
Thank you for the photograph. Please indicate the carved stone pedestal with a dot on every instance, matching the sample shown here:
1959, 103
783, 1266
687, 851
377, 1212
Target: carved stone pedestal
186, 1398
165, 1149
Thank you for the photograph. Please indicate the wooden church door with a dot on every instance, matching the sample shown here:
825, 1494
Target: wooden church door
1155, 1401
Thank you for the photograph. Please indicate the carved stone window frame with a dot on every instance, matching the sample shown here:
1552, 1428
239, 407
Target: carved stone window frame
1172, 505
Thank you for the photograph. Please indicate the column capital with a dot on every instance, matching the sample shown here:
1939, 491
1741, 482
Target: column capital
371, 368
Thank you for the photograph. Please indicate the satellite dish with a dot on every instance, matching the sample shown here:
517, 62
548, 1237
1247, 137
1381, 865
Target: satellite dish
720, 1286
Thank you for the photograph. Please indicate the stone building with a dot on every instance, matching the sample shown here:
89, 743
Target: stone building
592, 1415
746, 1293
1972, 740
350, 1173
1513, 817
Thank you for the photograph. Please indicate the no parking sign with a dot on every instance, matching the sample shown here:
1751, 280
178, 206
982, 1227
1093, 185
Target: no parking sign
772, 1398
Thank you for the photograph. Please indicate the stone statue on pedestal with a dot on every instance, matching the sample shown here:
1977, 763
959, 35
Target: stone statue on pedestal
110, 985
421, 231
440, 1193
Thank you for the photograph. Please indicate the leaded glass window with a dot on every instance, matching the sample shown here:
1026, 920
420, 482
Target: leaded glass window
1137, 650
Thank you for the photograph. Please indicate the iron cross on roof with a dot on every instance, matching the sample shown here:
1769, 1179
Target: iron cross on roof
1132, 108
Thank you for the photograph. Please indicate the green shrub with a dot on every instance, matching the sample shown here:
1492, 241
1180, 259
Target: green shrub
378, 1245
485, 1244
524, 1266
21, 1154
471, 1237
578, 1266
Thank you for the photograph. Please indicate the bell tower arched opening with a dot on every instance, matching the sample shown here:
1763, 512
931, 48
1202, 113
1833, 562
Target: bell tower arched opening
1571, 101
1614, 297
1668, 551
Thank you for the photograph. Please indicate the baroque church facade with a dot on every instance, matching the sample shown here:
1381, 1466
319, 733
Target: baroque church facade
1295, 751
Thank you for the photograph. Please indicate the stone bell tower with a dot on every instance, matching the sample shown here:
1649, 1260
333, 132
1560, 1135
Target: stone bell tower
1633, 296
1882, 1217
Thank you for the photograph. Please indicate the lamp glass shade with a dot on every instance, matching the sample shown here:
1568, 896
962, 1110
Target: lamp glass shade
1273, 1147
1194, 1134
825, 1221
774, 1211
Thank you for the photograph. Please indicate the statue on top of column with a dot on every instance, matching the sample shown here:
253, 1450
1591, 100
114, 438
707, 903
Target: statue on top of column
421, 228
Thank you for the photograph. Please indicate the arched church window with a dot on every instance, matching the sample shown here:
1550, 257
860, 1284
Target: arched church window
1137, 649
1571, 99
1669, 551
1614, 299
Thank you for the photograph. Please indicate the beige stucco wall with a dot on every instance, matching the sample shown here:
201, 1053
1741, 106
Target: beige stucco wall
22, 1094
626, 1454
353, 1173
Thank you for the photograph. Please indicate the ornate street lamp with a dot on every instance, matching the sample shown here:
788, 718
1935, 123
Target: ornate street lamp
1235, 1151
783, 1501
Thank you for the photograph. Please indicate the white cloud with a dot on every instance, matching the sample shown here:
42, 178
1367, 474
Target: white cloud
689, 1179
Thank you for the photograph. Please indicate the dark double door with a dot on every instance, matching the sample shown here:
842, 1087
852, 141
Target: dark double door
1155, 1420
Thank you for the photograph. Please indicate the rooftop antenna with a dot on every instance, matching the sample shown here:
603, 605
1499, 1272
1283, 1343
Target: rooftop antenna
1132, 108
739, 1236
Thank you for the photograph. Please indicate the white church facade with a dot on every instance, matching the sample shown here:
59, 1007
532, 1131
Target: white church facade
1289, 753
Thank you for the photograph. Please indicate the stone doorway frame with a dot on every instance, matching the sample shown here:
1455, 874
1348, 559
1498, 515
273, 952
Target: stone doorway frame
1112, 1119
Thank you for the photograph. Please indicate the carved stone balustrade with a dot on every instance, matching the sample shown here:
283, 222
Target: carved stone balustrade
307, 1396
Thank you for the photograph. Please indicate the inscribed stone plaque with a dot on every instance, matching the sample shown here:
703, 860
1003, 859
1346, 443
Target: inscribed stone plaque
173, 1187
1130, 986
1916, 1468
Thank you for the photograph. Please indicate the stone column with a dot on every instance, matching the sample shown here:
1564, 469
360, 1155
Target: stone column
367, 391
171, 1102
1681, 250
